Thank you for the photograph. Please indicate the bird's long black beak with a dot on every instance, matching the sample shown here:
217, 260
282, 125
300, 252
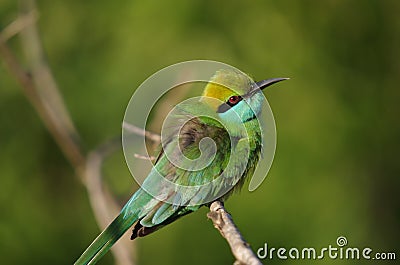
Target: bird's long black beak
257, 86
268, 82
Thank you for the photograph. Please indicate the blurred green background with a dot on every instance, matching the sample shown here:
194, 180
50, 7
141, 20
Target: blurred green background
336, 169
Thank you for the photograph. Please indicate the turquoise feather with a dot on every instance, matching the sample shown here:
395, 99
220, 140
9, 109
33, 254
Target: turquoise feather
147, 214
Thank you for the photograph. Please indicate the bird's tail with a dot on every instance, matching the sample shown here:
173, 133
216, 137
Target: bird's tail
106, 239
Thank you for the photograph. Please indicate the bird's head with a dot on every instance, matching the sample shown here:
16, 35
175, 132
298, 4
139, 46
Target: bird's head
234, 96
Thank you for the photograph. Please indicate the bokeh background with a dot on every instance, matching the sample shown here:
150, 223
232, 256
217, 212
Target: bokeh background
336, 169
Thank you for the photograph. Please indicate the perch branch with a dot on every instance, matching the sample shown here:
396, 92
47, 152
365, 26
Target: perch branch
223, 221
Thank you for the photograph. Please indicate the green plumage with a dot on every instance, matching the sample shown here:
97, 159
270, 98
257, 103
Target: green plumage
147, 214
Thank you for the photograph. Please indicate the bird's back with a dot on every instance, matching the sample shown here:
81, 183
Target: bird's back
178, 186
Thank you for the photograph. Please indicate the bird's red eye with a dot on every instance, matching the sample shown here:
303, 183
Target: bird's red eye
233, 100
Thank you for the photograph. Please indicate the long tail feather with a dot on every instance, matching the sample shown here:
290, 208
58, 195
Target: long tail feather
106, 239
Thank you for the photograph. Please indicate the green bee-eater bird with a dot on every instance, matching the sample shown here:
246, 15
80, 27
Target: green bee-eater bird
227, 113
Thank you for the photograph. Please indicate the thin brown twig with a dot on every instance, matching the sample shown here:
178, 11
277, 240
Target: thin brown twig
64, 136
143, 157
44, 89
18, 25
223, 221
66, 144
139, 131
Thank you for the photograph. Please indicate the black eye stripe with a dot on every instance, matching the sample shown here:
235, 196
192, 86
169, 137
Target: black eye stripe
223, 107
227, 105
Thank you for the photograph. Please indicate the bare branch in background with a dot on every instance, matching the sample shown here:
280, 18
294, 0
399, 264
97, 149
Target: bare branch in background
222, 220
18, 25
151, 158
39, 82
40, 88
139, 131
47, 94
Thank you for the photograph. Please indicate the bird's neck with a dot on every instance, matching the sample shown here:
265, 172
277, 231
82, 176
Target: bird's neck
253, 132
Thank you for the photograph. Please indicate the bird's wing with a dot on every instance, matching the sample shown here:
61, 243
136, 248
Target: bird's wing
175, 189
